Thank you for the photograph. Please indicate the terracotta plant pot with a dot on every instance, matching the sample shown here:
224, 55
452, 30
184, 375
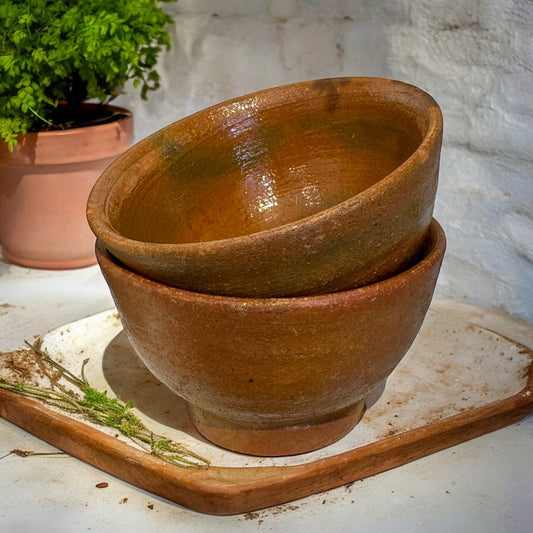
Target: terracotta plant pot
275, 376
44, 187
302, 189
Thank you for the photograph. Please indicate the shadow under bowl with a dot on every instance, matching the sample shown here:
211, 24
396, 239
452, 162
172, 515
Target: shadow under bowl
302, 189
275, 376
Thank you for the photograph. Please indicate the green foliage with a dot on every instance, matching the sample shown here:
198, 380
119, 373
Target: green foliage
68, 51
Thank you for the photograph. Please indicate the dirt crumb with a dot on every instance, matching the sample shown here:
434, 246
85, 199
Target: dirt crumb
20, 364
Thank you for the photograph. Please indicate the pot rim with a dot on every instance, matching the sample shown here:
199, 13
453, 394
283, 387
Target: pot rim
433, 253
97, 203
57, 147
73, 131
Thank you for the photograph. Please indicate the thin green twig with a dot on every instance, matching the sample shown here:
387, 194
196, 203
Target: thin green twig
46, 121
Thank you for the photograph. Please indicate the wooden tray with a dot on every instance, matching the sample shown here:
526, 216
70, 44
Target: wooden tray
469, 372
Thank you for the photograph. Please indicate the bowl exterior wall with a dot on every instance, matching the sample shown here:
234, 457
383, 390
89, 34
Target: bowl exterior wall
269, 363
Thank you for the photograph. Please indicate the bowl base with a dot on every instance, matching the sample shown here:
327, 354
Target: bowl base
274, 442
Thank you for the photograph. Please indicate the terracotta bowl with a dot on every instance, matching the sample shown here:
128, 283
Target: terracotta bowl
302, 189
275, 376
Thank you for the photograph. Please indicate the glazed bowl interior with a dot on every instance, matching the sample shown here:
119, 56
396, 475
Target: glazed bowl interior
301, 189
262, 161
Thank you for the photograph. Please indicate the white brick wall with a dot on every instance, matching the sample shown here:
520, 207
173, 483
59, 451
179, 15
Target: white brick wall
474, 56
476, 59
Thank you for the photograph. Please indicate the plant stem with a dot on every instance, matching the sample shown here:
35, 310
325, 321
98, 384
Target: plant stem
49, 122
100, 409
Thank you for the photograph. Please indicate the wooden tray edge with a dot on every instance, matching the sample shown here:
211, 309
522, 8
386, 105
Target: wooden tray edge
234, 490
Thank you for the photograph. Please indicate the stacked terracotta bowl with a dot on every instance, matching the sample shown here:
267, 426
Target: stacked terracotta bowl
272, 257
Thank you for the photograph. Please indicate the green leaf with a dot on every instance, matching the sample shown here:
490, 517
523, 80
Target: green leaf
74, 50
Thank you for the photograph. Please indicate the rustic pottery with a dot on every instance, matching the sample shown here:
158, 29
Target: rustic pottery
44, 186
302, 189
275, 376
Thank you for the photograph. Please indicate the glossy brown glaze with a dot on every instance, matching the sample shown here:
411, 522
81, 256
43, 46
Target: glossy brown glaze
275, 376
302, 189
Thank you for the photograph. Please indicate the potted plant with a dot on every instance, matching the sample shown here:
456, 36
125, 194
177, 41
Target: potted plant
61, 64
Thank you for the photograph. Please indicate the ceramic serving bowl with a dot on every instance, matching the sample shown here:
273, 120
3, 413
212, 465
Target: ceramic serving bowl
275, 376
308, 188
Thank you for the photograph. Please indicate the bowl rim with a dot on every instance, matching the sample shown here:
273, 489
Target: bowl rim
431, 257
97, 201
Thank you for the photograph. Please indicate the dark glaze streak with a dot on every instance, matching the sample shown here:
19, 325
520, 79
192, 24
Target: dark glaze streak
330, 88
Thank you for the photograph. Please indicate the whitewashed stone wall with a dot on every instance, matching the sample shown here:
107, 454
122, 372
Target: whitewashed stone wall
474, 56
476, 59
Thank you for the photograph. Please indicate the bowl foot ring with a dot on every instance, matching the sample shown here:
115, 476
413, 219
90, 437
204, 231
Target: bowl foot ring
278, 441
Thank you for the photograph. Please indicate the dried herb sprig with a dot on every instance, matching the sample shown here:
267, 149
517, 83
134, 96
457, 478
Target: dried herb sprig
99, 408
